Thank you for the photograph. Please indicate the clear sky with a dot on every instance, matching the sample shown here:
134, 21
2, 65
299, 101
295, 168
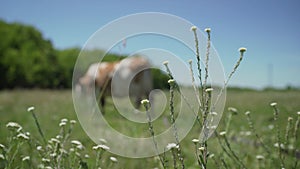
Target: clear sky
269, 29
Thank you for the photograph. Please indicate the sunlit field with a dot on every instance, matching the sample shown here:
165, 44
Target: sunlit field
53, 105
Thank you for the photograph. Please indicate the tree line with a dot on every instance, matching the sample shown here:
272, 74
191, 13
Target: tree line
28, 60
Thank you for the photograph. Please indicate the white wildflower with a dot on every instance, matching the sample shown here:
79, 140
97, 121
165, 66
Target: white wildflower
100, 146
48, 167
76, 142
29, 109
222, 133
195, 141
2, 157
61, 124
211, 156
273, 104
59, 137
247, 113
209, 90
54, 140
260, 157
207, 30
171, 81
165, 62
201, 148
213, 113
26, 158
2, 146
39, 148
72, 149
45, 160
86, 156
113, 159
22, 136
233, 110
242, 49
73, 121
212, 127
193, 28
13, 125
298, 113
171, 146
80, 147
145, 102
53, 155
64, 120
190, 61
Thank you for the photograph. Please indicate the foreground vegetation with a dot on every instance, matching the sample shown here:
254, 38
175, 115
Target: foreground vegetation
53, 106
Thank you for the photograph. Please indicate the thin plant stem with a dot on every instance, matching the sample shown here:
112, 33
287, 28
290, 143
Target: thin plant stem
280, 154
233, 153
151, 130
259, 139
38, 126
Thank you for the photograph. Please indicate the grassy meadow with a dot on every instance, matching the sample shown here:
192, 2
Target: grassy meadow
53, 105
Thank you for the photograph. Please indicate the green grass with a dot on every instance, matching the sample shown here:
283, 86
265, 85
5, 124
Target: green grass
53, 105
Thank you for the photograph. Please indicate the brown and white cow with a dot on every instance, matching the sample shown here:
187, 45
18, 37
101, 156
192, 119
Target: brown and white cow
130, 76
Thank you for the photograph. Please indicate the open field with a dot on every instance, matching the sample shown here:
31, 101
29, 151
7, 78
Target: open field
53, 105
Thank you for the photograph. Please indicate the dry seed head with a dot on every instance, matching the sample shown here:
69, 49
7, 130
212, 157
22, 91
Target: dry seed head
298, 113
2, 157
39, 148
193, 28
232, 110
290, 119
171, 82
2, 146
64, 120
73, 121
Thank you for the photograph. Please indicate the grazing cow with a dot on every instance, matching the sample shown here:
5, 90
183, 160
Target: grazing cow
130, 76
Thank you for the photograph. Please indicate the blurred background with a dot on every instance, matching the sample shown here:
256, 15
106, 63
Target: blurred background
40, 41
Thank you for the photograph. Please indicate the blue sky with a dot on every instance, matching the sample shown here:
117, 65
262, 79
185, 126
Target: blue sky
269, 29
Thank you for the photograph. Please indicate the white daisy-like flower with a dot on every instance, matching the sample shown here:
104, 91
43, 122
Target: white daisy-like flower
53, 155
80, 147
222, 133
113, 159
72, 149
48, 167
29, 109
298, 113
273, 104
171, 146
54, 140
190, 61
166, 62
213, 113
2, 157
193, 28
86, 156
